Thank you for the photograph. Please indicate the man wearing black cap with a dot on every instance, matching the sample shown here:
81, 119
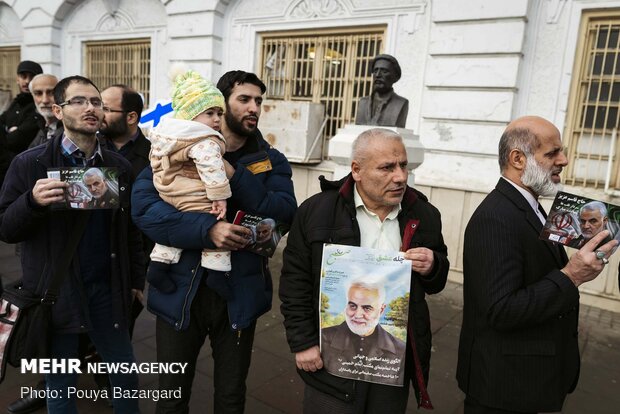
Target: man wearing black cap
384, 107
18, 124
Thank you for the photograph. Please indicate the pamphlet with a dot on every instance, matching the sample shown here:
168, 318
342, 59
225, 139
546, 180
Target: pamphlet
266, 232
89, 188
573, 220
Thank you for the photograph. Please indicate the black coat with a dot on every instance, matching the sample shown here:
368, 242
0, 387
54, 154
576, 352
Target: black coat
22, 114
518, 347
329, 217
43, 233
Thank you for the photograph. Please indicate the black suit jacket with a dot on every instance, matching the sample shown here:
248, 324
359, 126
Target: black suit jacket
518, 347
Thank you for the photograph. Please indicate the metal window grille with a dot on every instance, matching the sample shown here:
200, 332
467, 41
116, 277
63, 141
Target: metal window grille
120, 61
331, 68
9, 59
594, 115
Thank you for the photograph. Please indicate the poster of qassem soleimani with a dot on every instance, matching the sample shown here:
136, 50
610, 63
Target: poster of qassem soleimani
364, 299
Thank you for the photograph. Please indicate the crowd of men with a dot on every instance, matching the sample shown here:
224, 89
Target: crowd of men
518, 348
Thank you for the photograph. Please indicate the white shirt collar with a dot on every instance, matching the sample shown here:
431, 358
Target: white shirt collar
531, 200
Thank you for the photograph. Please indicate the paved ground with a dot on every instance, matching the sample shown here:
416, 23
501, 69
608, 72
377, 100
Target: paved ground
275, 388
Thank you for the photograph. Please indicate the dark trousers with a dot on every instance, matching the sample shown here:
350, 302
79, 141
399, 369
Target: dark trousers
232, 352
473, 406
369, 399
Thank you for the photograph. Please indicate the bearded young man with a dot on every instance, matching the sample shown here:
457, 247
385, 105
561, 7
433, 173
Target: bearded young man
518, 350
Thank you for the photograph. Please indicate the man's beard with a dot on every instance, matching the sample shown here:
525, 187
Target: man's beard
237, 126
362, 330
46, 113
538, 179
114, 130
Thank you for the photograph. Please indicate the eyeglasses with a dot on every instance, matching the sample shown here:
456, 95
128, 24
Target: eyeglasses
82, 101
110, 110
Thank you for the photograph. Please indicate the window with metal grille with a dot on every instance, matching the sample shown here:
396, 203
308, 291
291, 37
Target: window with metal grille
9, 59
331, 67
593, 117
120, 61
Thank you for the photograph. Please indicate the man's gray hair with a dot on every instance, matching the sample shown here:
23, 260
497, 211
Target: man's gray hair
369, 283
41, 75
594, 206
521, 139
91, 172
360, 145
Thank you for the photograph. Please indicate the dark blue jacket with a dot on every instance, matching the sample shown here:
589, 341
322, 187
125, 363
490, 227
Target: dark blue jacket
43, 234
268, 192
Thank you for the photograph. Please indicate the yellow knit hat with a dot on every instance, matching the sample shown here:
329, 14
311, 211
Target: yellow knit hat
192, 95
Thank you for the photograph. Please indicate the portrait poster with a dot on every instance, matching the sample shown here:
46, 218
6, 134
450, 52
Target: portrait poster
364, 297
89, 188
266, 232
574, 219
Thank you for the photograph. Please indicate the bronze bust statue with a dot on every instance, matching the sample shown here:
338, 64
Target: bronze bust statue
383, 107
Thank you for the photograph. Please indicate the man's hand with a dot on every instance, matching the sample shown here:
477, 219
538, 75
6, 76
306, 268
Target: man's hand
229, 236
584, 266
422, 260
310, 359
47, 191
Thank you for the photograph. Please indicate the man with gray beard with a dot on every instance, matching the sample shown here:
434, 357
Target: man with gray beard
518, 350
42, 89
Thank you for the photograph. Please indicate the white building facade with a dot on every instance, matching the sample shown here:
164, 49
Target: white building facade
469, 67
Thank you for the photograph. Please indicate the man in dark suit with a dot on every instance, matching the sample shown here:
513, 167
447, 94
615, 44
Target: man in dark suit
383, 107
518, 350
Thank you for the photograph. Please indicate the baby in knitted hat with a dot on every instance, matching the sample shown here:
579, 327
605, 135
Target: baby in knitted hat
188, 168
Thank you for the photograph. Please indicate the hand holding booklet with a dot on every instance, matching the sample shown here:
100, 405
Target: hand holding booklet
89, 188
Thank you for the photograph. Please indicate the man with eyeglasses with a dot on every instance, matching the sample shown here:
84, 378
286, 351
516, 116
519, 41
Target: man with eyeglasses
383, 107
107, 268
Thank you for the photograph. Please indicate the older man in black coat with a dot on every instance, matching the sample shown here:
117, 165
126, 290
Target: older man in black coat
518, 349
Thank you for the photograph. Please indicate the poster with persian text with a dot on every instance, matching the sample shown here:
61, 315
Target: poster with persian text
364, 308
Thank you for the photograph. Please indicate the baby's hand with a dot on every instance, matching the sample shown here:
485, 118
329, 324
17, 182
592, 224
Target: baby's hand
219, 209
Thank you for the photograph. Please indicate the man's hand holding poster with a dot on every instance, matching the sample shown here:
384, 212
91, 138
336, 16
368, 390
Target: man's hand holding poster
364, 312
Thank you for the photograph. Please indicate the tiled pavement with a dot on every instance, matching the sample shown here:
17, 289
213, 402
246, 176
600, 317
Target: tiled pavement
275, 388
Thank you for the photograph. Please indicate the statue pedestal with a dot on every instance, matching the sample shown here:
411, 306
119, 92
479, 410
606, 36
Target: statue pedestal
341, 143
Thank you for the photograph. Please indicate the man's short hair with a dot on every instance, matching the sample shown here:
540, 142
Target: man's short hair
267, 222
238, 77
516, 138
594, 206
376, 283
39, 76
61, 87
93, 172
131, 101
358, 148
